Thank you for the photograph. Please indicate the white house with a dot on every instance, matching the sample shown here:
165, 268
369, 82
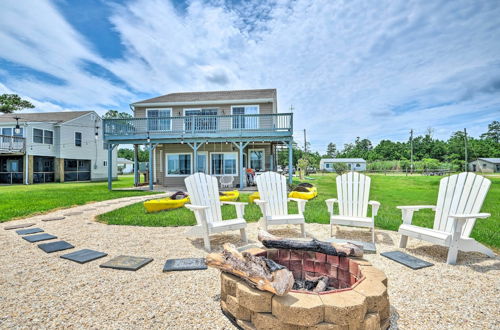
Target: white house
125, 166
485, 165
353, 164
52, 147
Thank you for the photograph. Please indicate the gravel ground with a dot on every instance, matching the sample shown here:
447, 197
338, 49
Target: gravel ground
39, 290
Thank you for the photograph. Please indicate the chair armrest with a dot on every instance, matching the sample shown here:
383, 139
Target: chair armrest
263, 206
375, 206
470, 216
417, 207
240, 208
301, 203
200, 214
329, 205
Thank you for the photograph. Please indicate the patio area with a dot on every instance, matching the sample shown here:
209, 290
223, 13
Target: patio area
41, 290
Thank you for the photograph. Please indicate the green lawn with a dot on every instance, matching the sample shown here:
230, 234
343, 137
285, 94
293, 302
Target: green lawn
388, 190
21, 201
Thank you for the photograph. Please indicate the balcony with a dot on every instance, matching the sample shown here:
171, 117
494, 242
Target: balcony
12, 144
199, 126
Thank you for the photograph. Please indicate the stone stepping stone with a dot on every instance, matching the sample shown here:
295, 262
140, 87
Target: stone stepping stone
126, 263
89, 209
184, 264
84, 256
73, 213
407, 260
55, 246
21, 225
29, 231
38, 237
54, 219
368, 247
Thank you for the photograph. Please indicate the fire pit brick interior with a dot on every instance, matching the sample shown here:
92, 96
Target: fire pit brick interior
356, 297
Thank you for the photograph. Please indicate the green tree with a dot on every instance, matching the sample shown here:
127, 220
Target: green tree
331, 150
10, 103
126, 153
493, 132
115, 114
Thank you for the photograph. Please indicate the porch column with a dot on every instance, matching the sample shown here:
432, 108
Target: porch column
241, 147
195, 146
290, 162
137, 178
150, 166
110, 166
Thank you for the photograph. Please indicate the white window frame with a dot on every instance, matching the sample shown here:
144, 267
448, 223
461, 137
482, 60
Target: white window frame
81, 140
225, 152
160, 109
13, 133
249, 158
178, 154
33, 135
245, 106
207, 163
196, 109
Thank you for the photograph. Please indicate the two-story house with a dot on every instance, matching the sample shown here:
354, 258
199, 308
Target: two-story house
53, 147
221, 133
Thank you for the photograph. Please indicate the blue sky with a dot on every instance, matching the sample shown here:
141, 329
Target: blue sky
373, 69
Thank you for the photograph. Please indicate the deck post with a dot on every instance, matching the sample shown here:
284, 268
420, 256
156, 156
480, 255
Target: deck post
110, 166
242, 174
290, 162
150, 166
136, 166
195, 156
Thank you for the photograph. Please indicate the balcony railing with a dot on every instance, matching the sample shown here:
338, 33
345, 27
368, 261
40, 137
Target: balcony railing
12, 143
200, 125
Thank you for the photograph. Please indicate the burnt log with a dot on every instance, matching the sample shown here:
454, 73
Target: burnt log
322, 284
259, 272
314, 245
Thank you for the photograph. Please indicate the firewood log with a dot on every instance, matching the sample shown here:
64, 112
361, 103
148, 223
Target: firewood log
322, 284
260, 272
334, 249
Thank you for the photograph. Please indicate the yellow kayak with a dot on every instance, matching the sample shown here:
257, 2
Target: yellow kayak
253, 197
307, 195
173, 202
229, 196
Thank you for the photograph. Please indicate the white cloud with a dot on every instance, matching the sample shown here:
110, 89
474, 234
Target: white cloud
357, 68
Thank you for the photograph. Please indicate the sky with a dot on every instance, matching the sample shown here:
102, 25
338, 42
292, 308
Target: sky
373, 69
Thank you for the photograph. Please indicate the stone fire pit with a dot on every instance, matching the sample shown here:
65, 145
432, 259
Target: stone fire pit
356, 296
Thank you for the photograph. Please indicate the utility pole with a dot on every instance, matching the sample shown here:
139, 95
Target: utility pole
291, 108
305, 141
411, 151
465, 141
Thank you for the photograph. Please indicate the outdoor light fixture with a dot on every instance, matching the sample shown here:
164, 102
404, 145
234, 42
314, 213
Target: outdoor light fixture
96, 132
149, 139
17, 130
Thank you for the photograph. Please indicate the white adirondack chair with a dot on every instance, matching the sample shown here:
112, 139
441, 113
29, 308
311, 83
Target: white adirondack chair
353, 192
458, 206
205, 203
273, 201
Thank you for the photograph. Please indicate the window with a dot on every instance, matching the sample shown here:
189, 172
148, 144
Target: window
48, 137
37, 135
76, 170
43, 169
327, 165
159, 119
257, 159
105, 163
224, 163
245, 116
200, 119
357, 165
202, 165
78, 139
20, 134
178, 164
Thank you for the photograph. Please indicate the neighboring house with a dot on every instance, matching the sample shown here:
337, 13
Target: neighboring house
220, 133
353, 164
485, 165
52, 147
125, 166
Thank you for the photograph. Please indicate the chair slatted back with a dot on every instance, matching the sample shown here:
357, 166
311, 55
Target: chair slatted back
460, 194
204, 191
273, 189
353, 193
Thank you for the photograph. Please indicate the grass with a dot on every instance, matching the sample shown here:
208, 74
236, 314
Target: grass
390, 191
21, 201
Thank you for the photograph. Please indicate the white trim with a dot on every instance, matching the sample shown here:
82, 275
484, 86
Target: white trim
43, 136
249, 158
177, 153
207, 102
246, 105
224, 152
207, 163
160, 109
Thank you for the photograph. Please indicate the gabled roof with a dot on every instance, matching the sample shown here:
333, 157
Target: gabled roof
212, 96
343, 160
491, 160
51, 117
